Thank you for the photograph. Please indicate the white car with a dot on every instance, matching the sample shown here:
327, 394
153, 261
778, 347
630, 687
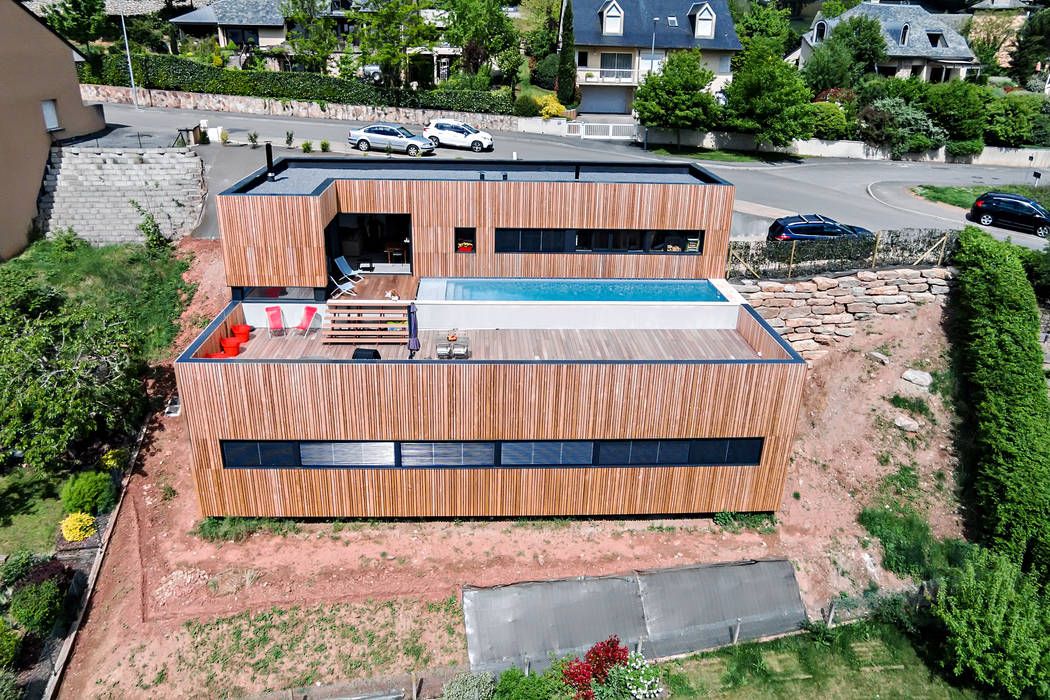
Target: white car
451, 132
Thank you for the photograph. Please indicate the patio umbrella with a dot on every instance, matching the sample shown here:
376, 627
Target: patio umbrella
413, 329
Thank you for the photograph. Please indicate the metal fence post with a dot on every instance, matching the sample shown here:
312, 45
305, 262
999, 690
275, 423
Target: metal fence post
736, 631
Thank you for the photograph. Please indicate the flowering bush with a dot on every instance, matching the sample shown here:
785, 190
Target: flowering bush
577, 675
604, 655
470, 686
550, 107
78, 526
643, 680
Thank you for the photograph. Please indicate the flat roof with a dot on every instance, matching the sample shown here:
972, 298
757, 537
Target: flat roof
311, 176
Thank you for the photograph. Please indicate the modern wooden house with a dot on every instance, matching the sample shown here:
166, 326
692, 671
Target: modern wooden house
600, 363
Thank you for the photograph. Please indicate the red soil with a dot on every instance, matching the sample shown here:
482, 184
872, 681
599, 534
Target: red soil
155, 576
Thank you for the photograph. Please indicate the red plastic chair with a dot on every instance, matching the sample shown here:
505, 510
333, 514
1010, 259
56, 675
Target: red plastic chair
274, 321
309, 314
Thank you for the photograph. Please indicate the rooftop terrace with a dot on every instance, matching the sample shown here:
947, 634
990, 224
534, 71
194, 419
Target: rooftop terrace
310, 176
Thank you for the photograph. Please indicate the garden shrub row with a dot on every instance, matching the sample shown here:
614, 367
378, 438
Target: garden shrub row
33, 591
164, 72
1008, 397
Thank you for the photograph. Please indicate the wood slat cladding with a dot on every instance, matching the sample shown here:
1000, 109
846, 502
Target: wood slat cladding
761, 340
273, 240
213, 342
318, 401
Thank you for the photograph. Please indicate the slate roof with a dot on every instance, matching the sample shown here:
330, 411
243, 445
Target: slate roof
919, 21
1001, 5
128, 8
236, 13
638, 25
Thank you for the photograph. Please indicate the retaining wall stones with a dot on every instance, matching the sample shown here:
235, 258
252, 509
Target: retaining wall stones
90, 190
287, 108
814, 314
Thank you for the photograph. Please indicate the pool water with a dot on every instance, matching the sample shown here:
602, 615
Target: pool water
513, 289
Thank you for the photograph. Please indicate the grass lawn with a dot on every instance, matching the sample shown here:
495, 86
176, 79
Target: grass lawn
865, 660
965, 196
535, 92
718, 154
29, 511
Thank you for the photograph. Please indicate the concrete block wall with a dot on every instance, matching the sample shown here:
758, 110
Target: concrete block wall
816, 313
90, 190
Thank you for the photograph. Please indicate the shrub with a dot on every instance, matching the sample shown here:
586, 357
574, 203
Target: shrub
641, 677
48, 570
545, 72
10, 643
9, 689
326, 147
37, 607
1007, 393
307, 146
78, 526
204, 139
20, 563
289, 136
526, 106
604, 655
89, 492
578, 675
1011, 119
829, 121
233, 529
958, 108
253, 138
224, 136
470, 686
115, 460
514, 684
166, 72
961, 149
550, 107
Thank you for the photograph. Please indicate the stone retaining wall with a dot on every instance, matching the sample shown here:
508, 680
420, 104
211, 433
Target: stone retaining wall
287, 108
813, 314
90, 190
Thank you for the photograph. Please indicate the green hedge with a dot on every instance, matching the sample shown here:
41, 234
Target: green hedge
161, 72
1008, 396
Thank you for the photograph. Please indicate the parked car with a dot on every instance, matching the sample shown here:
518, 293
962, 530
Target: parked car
1011, 210
804, 227
452, 132
380, 136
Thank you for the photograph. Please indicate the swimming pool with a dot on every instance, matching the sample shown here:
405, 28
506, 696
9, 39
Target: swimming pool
576, 290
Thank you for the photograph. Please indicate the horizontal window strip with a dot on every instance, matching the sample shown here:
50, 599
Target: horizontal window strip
581, 240
517, 454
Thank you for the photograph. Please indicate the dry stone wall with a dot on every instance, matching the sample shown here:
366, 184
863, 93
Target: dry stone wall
815, 314
90, 190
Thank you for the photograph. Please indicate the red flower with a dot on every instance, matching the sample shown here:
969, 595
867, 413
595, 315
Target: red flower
577, 675
604, 655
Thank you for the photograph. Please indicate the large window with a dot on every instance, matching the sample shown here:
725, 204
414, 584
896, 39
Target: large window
616, 66
289, 454
569, 240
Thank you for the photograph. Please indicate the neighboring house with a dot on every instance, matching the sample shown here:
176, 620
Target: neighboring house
600, 362
40, 102
918, 43
615, 42
261, 23
996, 12
128, 8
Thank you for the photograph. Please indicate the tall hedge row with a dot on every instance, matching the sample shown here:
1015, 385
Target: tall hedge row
1008, 394
163, 72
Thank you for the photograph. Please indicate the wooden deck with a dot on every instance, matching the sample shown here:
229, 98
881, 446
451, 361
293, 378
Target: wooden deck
375, 287
562, 344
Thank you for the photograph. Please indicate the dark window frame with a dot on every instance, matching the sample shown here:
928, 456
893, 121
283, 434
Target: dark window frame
600, 241
465, 234
701, 452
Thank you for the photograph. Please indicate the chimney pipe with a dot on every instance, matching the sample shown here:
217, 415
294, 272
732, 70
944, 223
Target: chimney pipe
481, 175
504, 176
577, 172
269, 162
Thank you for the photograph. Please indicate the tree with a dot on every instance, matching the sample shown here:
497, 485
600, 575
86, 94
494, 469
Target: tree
387, 31
1033, 45
482, 29
987, 34
510, 61
80, 21
312, 36
1011, 119
763, 19
834, 8
862, 37
830, 66
768, 98
958, 108
541, 27
996, 625
677, 98
567, 59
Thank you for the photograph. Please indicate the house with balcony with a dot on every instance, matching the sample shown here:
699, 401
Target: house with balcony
493, 357
918, 44
618, 43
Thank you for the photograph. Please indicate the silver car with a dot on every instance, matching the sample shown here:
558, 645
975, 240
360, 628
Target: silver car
382, 136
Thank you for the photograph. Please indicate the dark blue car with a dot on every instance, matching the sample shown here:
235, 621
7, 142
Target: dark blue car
812, 227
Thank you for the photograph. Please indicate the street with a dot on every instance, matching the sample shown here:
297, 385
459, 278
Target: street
872, 194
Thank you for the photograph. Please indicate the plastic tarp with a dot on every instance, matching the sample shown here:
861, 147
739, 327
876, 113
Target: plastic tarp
666, 611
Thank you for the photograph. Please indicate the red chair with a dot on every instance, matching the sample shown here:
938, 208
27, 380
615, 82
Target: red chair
310, 314
274, 322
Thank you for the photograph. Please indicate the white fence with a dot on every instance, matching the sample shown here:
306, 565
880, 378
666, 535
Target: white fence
607, 132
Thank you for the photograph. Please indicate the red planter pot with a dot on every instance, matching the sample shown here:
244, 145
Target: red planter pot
242, 332
231, 346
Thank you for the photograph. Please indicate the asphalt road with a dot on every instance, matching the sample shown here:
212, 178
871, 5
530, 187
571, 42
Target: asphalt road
872, 194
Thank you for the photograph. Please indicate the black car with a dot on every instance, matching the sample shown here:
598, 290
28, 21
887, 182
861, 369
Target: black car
1012, 211
815, 227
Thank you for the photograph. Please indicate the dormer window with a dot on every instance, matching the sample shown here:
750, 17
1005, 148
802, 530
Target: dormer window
936, 39
904, 35
612, 19
672, 21
821, 31
703, 21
